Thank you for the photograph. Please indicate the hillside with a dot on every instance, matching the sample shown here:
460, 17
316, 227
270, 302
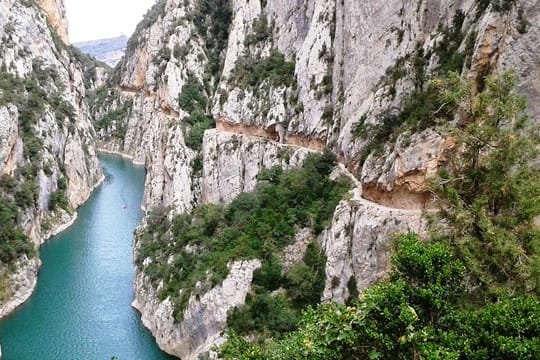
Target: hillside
110, 51
48, 163
212, 94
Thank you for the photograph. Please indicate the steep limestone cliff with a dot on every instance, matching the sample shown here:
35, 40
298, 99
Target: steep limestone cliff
281, 79
56, 14
48, 163
205, 316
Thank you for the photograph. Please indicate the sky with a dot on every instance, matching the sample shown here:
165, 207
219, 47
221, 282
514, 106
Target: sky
99, 19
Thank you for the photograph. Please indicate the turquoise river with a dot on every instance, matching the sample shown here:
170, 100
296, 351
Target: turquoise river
81, 307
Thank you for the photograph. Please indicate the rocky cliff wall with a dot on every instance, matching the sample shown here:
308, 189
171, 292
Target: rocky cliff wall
56, 14
295, 77
48, 162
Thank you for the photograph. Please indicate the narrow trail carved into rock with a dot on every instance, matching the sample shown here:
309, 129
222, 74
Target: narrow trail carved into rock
289, 140
256, 132
164, 107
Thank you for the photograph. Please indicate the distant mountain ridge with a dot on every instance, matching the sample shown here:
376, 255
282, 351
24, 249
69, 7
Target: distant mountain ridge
110, 51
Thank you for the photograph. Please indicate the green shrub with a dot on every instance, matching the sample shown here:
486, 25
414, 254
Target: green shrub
13, 242
264, 313
192, 96
274, 69
199, 123
492, 196
58, 199
254, 225
27, 195
260, 31
413, 314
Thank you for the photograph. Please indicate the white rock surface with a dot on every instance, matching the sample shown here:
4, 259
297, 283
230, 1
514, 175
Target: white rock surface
22, 283
205, 317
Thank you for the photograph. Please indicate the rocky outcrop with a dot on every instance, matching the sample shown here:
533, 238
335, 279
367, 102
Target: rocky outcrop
22, 283
46, 137
204, 318
358, 244
400, 178
232, 161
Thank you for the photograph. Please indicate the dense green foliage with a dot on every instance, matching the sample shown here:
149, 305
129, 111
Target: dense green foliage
266, 315
411, 315
254, 71
491, 193
193, 99
470, 293
197, 247
13, 242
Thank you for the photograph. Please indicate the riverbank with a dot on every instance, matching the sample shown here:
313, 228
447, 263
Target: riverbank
24, 280
121, 154
81, 303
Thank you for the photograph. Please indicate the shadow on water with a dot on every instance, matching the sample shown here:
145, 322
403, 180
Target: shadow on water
81, 308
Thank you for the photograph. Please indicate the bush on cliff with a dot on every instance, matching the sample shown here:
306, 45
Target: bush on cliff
197, 247
470, 293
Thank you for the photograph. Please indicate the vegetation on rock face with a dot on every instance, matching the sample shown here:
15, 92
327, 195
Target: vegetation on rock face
266, 314
197, 247
498, 5
274, 69
472, 291
194, 100
491, 193
434, 106
414, 314
152, 15
212, 19
118, 118
13, 242
33, 98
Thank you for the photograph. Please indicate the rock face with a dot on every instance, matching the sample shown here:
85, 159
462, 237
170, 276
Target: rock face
400, 178
56, 14
205, 317
294, 78
47, 151
357, 244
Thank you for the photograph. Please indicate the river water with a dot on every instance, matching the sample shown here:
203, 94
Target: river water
81, 306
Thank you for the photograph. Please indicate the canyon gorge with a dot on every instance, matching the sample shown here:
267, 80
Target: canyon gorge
210, 96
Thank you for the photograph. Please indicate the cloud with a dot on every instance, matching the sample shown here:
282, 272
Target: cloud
98, 19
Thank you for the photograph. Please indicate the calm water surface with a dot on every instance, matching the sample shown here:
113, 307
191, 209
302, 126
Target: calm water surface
81, 307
